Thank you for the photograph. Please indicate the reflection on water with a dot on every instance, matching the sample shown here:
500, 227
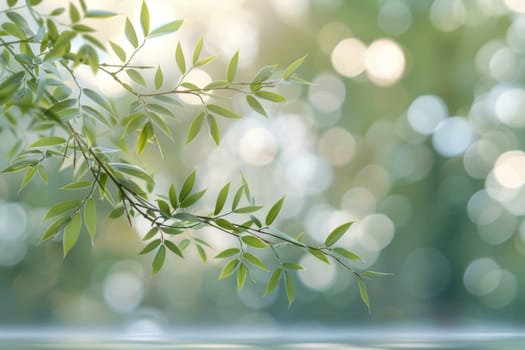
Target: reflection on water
20, 340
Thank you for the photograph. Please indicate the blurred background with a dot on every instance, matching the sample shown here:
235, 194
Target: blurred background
413, 126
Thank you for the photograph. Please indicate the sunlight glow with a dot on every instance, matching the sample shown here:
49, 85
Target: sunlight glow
509, 169
385, 62
258, 147
314, 275
347, 57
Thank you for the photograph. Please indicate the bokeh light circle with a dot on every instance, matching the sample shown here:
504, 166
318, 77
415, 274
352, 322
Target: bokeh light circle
482, 276
347, 57
452, 137
425, 113
384, 62
258, 146
327, 93
509, 169
316, 276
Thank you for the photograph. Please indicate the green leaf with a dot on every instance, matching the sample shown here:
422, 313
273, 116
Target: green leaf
273, 281
363, 293
195, 127
242, 272
293, 67
319, 255
232, 67
166, 28
187, 217
158, 260
254, 242
248, 209
192, 199
375, 274
150, 246
130, 33
151, 233
202, 253
34, 2
271, 96
54, 228
337, 233
19, 21
225, 224
48, 141
223, 111
274, 211
190, 86
221, 199
197, 51
116, 213
72, 232
77, 185
10, 85
214, 129
19, 165
347, 254
83, 5
97, 98
290, 288
83, 28
227, 253
172, 195
252, 259
216, 84
42, 173
100, 14
237, 197
27, 177
118, 50
14, 30
262, 75
292, 266
179, 57
11, 3
74, 14
132, 170
173, 247
57, 12
159, 78
256, 221
187, 186
202, 242
95, 42
164, 207
160, 109
136, 77
184, 244
205, 61
90, 217
228, 269
256, 105
61, 208
63, 105
144, 136
172, 231
144, 18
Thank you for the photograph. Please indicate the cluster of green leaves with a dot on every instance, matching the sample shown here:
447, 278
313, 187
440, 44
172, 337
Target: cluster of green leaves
69, 124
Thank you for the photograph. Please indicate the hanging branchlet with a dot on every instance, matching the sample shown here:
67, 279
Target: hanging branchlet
37, 57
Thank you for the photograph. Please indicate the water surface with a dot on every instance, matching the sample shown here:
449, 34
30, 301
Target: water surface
355, 340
